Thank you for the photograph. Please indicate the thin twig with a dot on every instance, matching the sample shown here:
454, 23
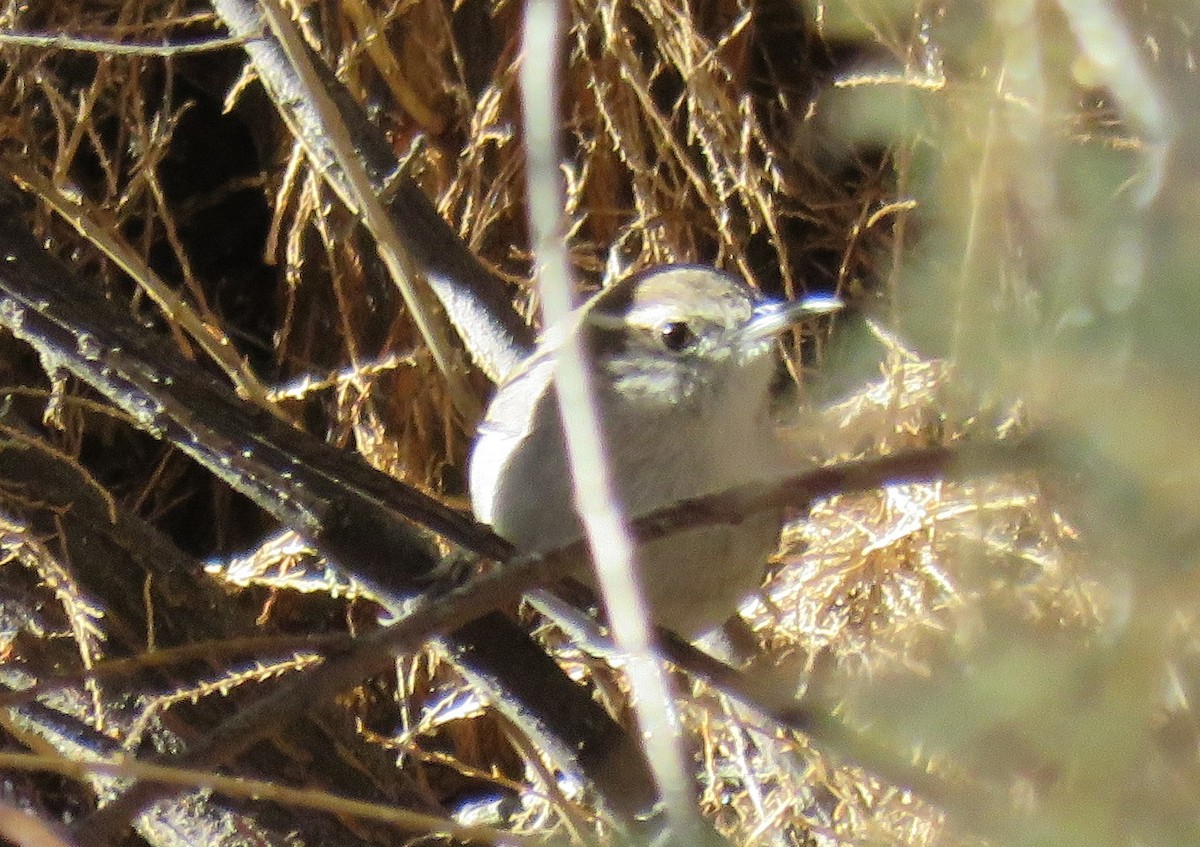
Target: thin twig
600, 512
256, 646
206, 334
356, 191
62, 41
257, 789
475, 299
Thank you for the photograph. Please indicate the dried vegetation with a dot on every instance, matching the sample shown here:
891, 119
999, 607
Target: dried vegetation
981, 181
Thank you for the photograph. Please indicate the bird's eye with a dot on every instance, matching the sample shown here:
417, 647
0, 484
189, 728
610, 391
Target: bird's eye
677, 336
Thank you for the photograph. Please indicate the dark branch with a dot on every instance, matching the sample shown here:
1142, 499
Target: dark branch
354, 514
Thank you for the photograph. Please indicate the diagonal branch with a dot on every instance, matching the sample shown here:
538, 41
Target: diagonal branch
476, 301
355, 515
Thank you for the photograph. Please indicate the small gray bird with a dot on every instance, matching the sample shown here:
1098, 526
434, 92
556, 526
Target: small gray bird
684, 362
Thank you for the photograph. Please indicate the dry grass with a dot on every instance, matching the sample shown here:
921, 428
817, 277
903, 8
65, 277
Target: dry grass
980, 182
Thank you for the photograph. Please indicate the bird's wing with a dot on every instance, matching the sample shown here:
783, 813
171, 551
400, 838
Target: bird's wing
509, 421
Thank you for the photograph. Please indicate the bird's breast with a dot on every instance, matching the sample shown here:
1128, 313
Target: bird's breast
521, 483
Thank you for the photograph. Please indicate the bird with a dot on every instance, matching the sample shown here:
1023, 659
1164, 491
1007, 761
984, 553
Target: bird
684, 362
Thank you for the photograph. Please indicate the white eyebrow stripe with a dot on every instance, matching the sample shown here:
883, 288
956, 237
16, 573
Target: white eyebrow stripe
654, 314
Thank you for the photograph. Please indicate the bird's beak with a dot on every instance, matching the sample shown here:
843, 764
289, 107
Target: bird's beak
773, 316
